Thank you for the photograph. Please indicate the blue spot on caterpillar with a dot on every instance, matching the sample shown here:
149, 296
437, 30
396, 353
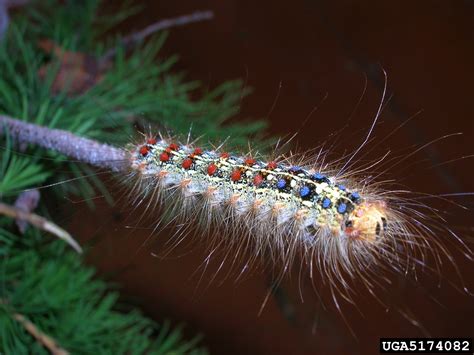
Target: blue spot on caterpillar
326, 203
281, 184
342, 208
305, 191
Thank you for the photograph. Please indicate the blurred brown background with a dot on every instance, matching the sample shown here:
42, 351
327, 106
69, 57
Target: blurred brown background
293, 54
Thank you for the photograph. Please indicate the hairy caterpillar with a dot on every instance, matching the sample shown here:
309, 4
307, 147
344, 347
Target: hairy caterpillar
344, 229
277, 211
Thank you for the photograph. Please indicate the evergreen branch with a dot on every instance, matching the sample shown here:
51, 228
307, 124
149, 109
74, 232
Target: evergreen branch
133, 38
41, 337
40, 222
79, 148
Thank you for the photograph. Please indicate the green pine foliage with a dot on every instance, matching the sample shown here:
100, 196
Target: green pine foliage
49, 285
43, 279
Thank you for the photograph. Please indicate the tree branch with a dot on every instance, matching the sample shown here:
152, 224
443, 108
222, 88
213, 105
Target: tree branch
133, 38
81, 149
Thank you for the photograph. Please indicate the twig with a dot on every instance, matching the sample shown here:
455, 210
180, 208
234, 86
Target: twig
41, 337
132, 39
41, 223
64, 142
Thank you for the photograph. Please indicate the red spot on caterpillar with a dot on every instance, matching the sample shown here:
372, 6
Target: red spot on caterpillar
271, 165
197, 151
211, 169
224, 155
257, 180
151, 141
164, 156
187, 163
173, 146
144, 150
236, 175
249, 161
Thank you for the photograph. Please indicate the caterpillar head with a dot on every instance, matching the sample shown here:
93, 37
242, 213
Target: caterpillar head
367, 222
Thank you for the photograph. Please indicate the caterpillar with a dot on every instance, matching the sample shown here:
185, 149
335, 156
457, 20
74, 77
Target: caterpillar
280, 204
276, 212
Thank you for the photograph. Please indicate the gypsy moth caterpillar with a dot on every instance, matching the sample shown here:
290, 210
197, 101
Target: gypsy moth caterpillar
277, 212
